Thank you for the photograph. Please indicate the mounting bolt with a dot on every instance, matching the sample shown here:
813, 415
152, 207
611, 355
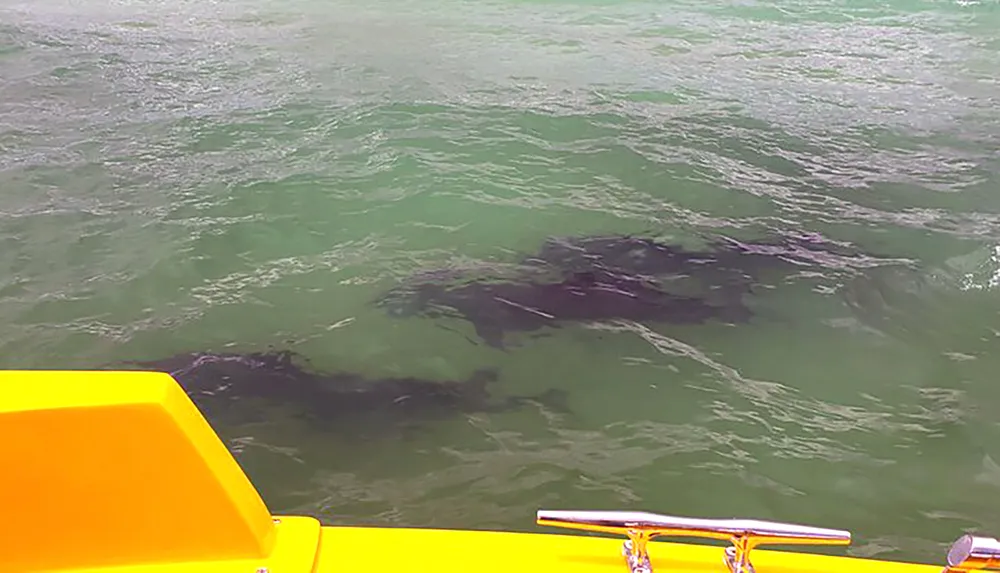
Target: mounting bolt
262, 570
276, 520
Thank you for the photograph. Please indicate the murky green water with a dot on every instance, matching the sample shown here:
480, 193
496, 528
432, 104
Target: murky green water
182, 176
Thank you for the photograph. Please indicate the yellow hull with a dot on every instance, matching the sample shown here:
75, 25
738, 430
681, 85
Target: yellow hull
116, 472
406, 550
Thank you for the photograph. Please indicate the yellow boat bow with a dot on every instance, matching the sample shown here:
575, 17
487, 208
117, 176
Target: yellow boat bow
115, 472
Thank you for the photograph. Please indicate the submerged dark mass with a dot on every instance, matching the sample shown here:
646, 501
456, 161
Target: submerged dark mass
494, 308
246, 384
620, 277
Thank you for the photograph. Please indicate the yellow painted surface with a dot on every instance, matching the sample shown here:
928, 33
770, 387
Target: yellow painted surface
118, 472
115, 468
296, 542
346, 549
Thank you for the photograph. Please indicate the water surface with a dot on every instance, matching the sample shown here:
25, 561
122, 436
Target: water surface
183, 176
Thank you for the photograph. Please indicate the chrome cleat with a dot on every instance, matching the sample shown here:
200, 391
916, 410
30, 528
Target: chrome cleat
971, 553
640, 527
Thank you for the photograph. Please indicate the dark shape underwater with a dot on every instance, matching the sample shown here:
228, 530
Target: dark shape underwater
494, 308
621, 277
723, 257
235, 386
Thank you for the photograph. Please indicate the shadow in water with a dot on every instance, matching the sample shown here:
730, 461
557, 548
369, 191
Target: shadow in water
619, 277
246, 385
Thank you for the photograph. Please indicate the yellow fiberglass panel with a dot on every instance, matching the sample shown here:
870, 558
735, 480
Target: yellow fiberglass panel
354, 549
296, 542
117, 468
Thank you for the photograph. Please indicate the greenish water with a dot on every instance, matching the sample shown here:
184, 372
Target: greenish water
182, 176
